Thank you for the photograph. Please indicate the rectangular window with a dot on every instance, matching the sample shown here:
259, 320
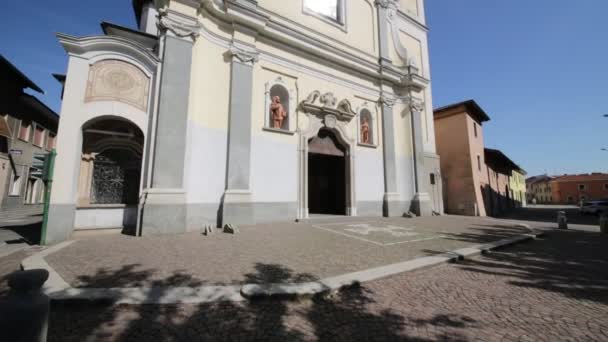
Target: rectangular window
50, 142
605, 186
328, 9
15, 187
24, 130
3, 144
479, 163
5, 130
475, 128
582, 187
39, 136
432, 179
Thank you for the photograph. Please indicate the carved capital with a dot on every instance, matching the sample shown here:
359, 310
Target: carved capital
385, 3
389, 5
414, 104
243, 56
387, 101
178, 24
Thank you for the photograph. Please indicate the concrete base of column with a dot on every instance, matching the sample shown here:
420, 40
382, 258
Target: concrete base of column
163, 211
237, 208
61, 222
421, 204
392, 206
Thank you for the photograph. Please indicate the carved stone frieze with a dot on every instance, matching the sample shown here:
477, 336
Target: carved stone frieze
114, 80
325, 104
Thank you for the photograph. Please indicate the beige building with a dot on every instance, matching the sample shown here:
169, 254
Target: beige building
27, 128
244, 111
518, 188
538, 189
476, 180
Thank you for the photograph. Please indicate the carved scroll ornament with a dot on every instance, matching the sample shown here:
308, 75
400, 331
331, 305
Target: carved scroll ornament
322, 105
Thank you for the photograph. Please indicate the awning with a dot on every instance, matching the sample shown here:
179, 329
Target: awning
4, 129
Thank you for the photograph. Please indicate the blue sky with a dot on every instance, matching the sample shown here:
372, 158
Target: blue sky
538, 67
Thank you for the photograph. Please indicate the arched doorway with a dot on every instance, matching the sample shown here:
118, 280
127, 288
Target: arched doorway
326, 174
110, 174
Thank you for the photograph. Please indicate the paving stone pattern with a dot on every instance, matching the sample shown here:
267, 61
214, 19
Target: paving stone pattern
554, 289
195, 259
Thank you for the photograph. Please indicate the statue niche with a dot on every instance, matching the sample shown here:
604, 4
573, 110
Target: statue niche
365, 132
279, 107
365, 129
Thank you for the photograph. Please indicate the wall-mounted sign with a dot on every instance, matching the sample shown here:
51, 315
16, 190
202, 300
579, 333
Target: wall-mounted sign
15, 152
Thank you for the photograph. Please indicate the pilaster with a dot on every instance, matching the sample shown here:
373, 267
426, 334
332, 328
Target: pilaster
236, 206
421, 203
163, 204
386, 9
391, 204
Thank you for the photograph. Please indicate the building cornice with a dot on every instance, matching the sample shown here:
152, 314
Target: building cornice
264, 24
78, 46
405, 16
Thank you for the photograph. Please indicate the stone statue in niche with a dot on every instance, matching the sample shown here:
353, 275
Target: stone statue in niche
365, 132
277, 112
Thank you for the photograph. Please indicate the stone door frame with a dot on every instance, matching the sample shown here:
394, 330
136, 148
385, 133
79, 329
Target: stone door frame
339, 129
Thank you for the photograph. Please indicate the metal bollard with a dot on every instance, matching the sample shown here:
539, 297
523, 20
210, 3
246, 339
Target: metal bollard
562, 221
24, 311
604, 223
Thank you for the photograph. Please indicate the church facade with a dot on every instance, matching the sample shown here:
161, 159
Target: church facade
243, 111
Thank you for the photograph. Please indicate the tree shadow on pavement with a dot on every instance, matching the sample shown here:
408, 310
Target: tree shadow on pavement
349, 315
549, 215
28, 232
484, 233
572, 263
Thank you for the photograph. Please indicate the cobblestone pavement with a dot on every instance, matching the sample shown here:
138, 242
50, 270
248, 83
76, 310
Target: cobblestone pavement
313, 250
553, 289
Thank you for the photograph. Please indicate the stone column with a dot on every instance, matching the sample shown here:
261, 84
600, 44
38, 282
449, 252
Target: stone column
391, 205
164, 205
236, 205
421, 203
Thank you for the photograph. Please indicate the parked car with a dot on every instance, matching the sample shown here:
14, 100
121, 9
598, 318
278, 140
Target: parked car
594, 207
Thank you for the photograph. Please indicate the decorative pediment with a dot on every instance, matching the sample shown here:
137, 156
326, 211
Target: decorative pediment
327, 104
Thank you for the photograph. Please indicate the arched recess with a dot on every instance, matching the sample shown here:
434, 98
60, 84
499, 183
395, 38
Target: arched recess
338, 129
109, 174
365, 114
111, 160
280, 88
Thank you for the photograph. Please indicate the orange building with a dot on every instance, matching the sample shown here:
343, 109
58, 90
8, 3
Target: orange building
476, 180
574, 189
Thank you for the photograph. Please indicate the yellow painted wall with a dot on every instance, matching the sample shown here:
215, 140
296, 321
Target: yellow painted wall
359, 30
409, 6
